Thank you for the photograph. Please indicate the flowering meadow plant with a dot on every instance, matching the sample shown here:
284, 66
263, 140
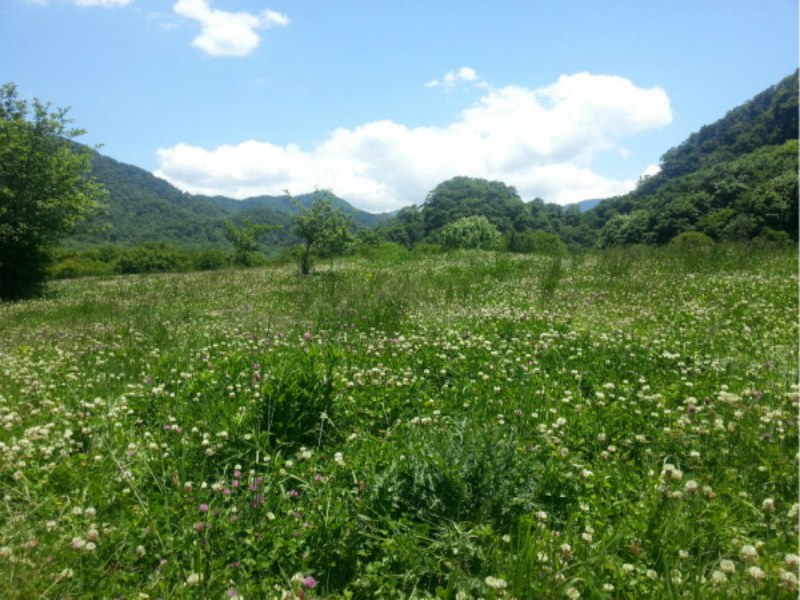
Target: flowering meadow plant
461, 426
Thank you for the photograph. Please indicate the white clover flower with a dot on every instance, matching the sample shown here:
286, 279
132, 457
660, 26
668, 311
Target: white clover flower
194, 579
691, 486
791, 560
749, 553
90, 513
755, 573
541, 516
628, 568
608, 587
140, 551
768, 505
6, 552
651, 574
573, 594
718, 578
496, 583
788, 580
727, 566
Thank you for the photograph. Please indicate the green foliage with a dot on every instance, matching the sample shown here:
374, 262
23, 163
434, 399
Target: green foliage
466, 197
692, 239
474, 232
537, 242
322, 228
408, 425
44, 189
245, 239
152, 258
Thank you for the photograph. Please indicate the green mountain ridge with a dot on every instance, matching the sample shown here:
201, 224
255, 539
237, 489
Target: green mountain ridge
143, 208
734, 179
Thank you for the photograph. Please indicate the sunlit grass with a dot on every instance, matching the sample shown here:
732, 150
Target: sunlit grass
471, 425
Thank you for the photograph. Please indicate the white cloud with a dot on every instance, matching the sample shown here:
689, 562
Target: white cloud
541, 141
452, 78
103, 3
226, 33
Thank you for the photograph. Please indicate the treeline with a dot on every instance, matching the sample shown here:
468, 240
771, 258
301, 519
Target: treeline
734, 180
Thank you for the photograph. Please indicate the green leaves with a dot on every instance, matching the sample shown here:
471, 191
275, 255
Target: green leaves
44, 189
323, 229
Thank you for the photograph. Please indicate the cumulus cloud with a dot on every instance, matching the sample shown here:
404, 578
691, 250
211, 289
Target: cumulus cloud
226, 33
542, 141
452, 78
104, 3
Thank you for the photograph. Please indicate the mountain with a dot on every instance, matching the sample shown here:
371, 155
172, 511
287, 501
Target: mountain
584, 205
735, 179
284, 204
142, 208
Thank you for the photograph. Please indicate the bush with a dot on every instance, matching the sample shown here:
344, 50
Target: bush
474, 232
152, 258
209, 259
79, 266
692, 239
538, 242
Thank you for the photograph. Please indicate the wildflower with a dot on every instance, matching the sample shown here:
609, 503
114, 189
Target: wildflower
90, 513
194, 579
5, 552
718, 578
769, 505
691, 487
309, 582
788, 580
608, 587
651, 574
791, 561
204, 508
496, 583
573, 594
628, 568
749, 553
755, 573
140, 551
727, 566
541, 516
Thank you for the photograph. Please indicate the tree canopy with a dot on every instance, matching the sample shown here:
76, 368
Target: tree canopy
44, 189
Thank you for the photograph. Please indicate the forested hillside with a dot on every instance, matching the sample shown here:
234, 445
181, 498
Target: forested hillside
735, 179
144, 209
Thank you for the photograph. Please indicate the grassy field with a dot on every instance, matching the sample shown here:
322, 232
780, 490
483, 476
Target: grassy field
470, 425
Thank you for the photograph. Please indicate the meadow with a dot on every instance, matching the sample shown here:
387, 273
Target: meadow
616, 425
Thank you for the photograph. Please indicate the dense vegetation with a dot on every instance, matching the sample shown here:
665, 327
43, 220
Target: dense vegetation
733, 180
467, 425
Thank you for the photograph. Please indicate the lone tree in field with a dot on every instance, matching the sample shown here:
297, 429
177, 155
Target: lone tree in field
323, 229
44, 189
245, 239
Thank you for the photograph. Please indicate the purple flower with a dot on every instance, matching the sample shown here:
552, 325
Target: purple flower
310, 582
692, 409
204, 508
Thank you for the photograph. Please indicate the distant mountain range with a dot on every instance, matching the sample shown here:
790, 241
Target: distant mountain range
735, 179
142, 208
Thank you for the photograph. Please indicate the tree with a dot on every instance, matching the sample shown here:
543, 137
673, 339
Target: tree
461, 197
245, 239
322, 228
44, 189
469, 232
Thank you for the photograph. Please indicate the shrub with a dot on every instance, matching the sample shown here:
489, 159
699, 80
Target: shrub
538, 242
474, 232
692, 239
152, 258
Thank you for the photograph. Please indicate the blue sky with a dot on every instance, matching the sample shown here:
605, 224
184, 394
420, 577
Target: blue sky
380, 101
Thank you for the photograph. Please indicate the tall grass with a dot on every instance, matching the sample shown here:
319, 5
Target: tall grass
401, 425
